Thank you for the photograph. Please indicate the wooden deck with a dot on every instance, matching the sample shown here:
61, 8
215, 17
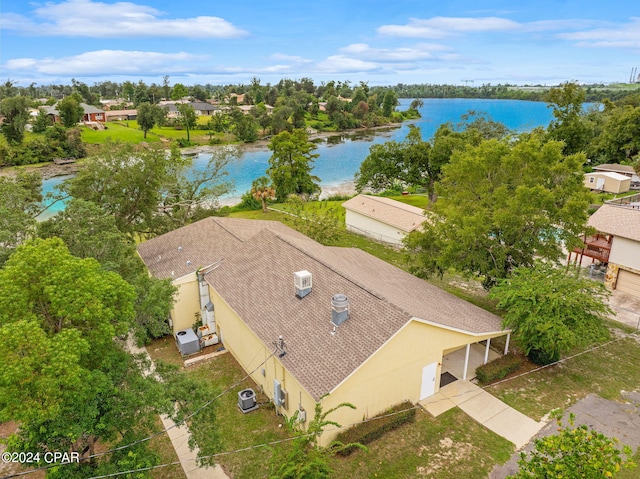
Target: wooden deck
63, 161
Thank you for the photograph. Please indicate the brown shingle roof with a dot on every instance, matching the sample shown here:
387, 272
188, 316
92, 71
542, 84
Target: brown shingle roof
617, 220
255, 278
385, 210
200, 244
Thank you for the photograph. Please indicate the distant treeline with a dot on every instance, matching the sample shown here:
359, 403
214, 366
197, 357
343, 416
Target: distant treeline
594, 93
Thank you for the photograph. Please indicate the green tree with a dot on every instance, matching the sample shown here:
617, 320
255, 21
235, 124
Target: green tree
125, 182
291, 163
179, 91
188, 192
507, 202
90, 232
71, 112
20, 199
262, 191
41, 122
188, 118
574, 452
305, 459
16, 115
389, 103
551, 310
149, 116
568, 124
314, 219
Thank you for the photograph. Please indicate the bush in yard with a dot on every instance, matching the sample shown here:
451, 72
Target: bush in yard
551, 310
498, 369
579, 452
369, 431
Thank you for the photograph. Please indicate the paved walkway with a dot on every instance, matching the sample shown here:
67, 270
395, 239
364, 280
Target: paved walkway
179, 436
485, 409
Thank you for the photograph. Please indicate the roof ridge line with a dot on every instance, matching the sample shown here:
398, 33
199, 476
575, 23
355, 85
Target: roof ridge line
329, 266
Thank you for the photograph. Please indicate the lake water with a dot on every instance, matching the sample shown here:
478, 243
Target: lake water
341, 156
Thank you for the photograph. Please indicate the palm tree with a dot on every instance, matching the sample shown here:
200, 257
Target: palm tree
262, 191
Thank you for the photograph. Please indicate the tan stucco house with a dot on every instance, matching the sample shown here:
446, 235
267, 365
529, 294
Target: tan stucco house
620, 219
607, 181
381, 218
356, 330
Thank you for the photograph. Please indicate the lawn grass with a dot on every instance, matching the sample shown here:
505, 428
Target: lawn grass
128, 132
449, 446
606, 371
117, 131
420, 201
237, 430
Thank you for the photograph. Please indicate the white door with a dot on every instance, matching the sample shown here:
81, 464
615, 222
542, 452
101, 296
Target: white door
599, 183
428, 386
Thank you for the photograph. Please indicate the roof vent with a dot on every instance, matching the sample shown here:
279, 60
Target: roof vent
339, 309
302, 283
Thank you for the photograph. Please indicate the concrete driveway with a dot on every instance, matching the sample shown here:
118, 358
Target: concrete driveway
626, 308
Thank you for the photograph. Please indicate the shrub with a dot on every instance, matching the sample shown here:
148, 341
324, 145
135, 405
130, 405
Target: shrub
369, 431
498, 369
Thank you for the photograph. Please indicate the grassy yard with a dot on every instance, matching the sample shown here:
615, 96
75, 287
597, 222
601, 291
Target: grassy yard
237, 430
449, 446
605, 371
128, 131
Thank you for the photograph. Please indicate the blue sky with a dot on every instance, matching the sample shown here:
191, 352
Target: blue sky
380, 42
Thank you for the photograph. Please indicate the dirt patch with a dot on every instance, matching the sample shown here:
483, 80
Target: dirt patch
449, 452
620, 420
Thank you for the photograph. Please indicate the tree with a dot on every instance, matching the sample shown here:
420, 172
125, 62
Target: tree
568, 125
41, 122
551, 310
262, 191
71, 112
291, 163
20, 199
314, 220
389, 103
16, 115
305, 459
90, 232
65, 379
149, 116
188, 191
179, 91
574, 452
187, 117
147, 191
507, 202
125, 182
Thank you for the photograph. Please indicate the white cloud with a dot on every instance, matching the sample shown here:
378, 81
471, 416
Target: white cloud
421, 51
108, 62
345, 64
86, 18
440, 27
618, 36
290, 58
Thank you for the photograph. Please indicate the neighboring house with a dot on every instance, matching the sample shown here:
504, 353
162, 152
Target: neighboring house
625, 170
91, 113
608, 182
120, 115
201, 108
382, 218
620, 219
391, 332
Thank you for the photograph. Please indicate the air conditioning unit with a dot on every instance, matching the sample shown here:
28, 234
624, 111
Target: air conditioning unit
247, 400
302, 282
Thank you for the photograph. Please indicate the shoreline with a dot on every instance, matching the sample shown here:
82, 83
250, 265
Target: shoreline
50, 170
